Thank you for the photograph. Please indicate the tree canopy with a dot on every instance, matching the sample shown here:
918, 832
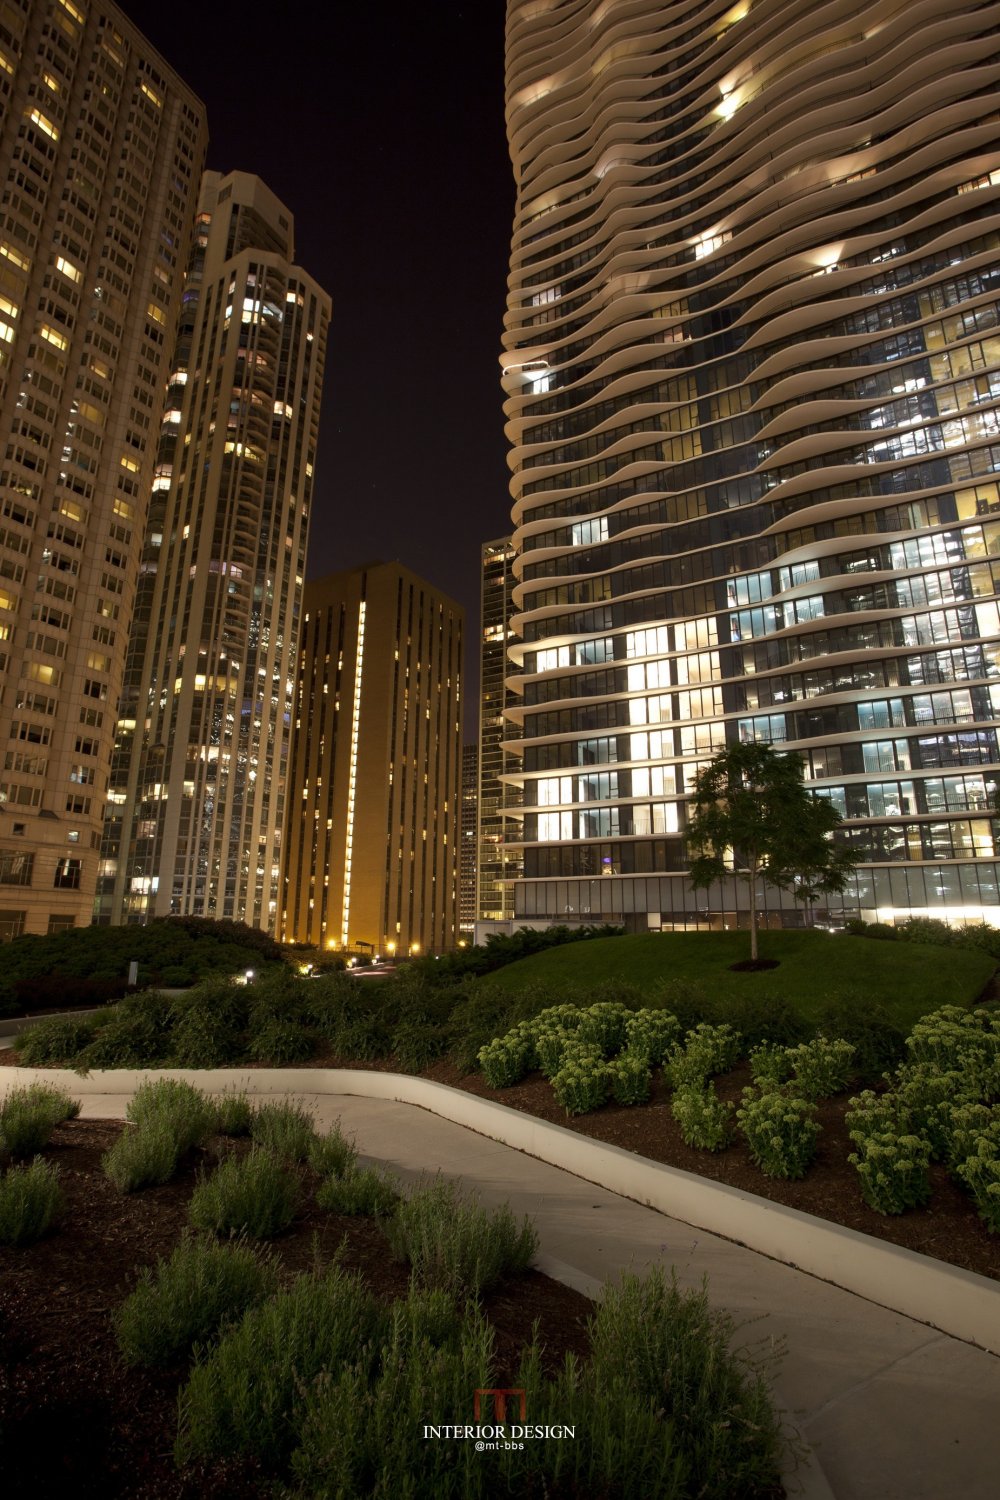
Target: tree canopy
752, 816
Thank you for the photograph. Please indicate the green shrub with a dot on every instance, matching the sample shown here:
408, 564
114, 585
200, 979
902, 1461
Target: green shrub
504, 1062
204, 1038
603, 1024
182, 1109
980, 1172
417, 1042
550, 1049
893, 1170
707, 1050
869, 1113
235, 1114
820, 1068
29, 1202
136, 1034
674, 1350
189, 1298
953, 1039
454, 1244
56, 1041
582, 1082
928, 1095
781, 1132
254, 1195
360, 1190
770, 1064
763, 1018
280, 1042
361, 1036
244, 1396
333, 1155
477, 1017
966, 1124
142, 1158
630, 1078
286, 1129
864, 1022
29, 1115
653, 1033
705, 1121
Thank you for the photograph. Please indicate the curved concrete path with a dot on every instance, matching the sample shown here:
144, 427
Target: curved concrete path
890, 1408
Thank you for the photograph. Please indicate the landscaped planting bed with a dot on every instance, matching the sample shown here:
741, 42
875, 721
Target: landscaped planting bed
319, 1356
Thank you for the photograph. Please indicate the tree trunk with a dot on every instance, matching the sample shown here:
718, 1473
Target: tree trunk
753, 912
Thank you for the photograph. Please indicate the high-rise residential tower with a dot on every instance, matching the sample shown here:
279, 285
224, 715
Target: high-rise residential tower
198, 781
467, 852
753, 376
372, 847
498, 860
101, 152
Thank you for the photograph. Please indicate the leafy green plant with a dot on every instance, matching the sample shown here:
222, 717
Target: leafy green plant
630, 1078
280, 1042
893, 1170
333, 1154
953, 1039
56, 1041
286, 1129
781, 1132
359, 1190
504, 1061
29, 1115
417, 1042
707, 1050
966, 1125
188, 1299
141, 1158
603, 1025
235, 1114
820, 1068
770, 1065
864, 1022
30, 1200
869, 1113
980, 1172
136, 1033
254, 1195
204, 1038
928, 1095
179, 1107
550, 1048
705, 1121
245, 1395
582, 1082
454, 1244
653, 1033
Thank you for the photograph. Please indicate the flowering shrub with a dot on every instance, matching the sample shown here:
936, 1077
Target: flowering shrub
705, 1120
582, 1081
957, 1039
630, 1078
769, 1064
781, 1132
929, 1095
549, 1049
505, 1061
820, 1067
651, 1032
707, 1050
981, 1174
893, 1170
874, 1114
967, 1124
604, 1024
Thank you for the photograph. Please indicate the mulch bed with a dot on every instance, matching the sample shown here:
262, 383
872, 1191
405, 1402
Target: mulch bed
75, 1420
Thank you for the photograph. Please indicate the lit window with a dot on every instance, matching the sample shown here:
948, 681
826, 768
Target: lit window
153, 98
68, 269
52, 337
9, 253
45, 125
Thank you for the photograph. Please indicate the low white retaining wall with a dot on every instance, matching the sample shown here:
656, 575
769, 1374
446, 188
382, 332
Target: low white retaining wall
956, 1301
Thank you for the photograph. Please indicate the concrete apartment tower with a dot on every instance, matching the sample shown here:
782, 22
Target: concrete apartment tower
373, 831
198, 781
467, 852
499, 859
753, 395
101, 152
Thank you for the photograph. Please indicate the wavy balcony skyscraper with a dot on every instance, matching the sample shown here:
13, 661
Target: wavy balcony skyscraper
752, 366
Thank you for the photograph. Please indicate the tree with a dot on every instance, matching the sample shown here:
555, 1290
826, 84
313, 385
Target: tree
751, 816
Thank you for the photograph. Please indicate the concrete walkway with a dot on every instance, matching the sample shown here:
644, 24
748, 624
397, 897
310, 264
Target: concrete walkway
891, 1409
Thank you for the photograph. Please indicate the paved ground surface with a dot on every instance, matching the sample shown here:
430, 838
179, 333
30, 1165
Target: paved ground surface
891, 1409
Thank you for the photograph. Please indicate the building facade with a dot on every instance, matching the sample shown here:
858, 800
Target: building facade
498, 860
753, 374
101, 152
373, 832
197, 798
467, 856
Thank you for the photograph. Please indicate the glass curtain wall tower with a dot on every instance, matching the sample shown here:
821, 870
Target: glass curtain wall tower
753, 374
198, 780
498, 861
101, 152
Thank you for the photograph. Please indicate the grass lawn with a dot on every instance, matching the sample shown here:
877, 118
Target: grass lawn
907, 978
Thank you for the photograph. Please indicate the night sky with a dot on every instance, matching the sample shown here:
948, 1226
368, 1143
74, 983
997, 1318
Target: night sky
381, 127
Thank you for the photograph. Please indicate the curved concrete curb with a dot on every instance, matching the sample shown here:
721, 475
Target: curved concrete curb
955, 1301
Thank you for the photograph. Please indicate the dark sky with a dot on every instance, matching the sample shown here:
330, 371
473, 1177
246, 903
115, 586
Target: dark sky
381, 126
